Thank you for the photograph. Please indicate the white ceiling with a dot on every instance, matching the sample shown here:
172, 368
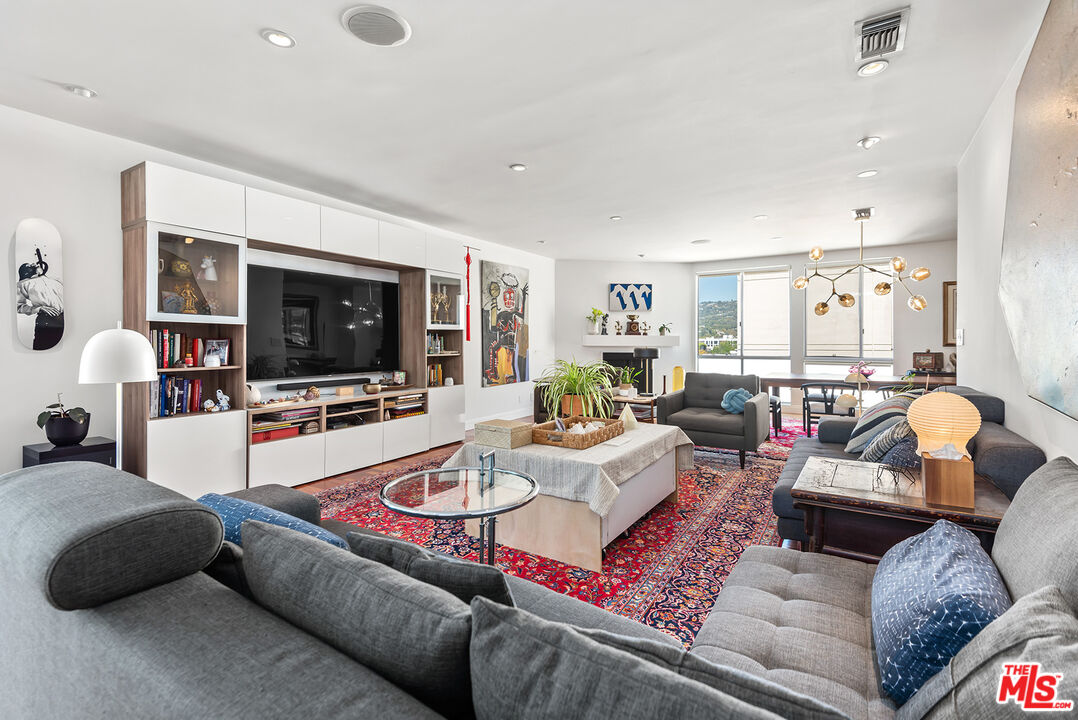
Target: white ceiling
687, 118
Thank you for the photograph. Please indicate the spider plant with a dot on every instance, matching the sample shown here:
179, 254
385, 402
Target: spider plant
586, 385
627, 375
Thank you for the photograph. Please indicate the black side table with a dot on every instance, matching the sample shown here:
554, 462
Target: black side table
92, 449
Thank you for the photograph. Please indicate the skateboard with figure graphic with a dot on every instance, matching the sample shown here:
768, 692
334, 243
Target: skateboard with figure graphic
39, 284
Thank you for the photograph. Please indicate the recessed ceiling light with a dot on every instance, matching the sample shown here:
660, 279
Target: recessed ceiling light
866, 142
518, 167
759, 217
874, 67
82, 92
867, 173
640, 254
776, 238
540, 242
701, 241
615, 218
278, 38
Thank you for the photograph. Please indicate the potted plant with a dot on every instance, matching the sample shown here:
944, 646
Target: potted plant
626, 377
571, 388
664, 328
594, 317
64, 426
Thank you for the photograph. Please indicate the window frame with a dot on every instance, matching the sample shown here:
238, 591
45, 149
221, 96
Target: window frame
849, 360
741, 357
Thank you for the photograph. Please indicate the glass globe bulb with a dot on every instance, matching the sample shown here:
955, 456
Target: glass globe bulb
801, 282
816, 253
921, 273
821, 308
917, 302
898, 264
883, 288
846, 300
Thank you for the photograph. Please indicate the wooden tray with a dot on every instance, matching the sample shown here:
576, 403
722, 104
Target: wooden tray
548, 433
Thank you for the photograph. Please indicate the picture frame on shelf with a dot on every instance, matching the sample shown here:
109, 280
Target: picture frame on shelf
220, 348
928, 361
950, 313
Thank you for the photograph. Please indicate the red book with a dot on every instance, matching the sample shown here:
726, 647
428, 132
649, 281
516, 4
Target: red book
164, 345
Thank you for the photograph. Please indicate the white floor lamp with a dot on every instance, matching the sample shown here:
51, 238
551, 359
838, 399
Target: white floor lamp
117, 356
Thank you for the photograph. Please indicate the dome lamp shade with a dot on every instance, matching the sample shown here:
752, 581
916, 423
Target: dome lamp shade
117, 356
941, 418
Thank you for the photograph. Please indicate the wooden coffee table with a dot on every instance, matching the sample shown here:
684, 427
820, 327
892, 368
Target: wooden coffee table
859, 509
648, 401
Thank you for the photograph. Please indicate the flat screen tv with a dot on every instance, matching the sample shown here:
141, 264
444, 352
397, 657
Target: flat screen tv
306, 324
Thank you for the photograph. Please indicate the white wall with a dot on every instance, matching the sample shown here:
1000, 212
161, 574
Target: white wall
987, 359
582, 285
71, 177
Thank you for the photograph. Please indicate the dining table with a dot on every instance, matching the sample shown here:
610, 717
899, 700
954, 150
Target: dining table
774, 381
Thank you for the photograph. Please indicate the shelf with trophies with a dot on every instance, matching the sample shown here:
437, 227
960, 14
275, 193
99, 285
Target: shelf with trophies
194, 276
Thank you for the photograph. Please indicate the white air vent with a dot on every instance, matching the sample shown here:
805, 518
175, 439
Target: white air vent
376, 25
881, 35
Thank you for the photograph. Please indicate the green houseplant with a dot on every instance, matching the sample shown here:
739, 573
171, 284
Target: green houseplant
572, 388
64, 426
626, 377
594, 317
664, 328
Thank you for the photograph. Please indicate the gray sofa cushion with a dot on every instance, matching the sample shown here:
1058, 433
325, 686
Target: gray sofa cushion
553, 606
1038, 628
739, 684
1032, 545
413, 634
461, 578
525, 667
1005, 457
836, 429
227, 569
991, 407
802, 450
706, 419
85, 533
707, 389
802, 620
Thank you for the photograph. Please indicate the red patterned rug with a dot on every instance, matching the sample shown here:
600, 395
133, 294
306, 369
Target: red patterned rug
669, 569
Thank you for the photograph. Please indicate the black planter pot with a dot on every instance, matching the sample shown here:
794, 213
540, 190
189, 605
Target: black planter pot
63, 431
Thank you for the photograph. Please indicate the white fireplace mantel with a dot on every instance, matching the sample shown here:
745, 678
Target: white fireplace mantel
630, 341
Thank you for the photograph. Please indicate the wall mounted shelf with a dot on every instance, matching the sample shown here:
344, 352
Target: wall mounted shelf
631, 341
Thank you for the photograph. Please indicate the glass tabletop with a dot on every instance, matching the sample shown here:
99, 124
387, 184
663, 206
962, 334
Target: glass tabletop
455, 493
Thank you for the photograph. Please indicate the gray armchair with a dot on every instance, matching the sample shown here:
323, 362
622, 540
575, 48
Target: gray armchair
698, 411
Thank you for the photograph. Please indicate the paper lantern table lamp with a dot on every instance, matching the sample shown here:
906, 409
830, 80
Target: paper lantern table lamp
945, 423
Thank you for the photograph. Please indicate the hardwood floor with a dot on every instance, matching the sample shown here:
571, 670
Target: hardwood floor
399, 464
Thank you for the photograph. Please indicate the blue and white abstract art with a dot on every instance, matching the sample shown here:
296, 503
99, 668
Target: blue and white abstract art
630, 297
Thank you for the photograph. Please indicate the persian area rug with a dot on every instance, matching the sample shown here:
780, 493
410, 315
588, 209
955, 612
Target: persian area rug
666, 573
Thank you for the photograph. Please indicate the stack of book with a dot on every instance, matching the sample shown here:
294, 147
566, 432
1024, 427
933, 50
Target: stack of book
172, 347
175, 395
405, 406
434, 375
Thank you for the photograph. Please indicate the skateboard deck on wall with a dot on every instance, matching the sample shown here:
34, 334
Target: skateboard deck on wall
39, 284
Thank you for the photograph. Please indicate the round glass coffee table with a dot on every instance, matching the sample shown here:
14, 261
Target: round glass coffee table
461, 493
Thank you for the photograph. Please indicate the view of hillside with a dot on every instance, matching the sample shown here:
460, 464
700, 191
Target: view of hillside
718, 317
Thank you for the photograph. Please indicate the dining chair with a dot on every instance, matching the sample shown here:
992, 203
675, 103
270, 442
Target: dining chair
818, 399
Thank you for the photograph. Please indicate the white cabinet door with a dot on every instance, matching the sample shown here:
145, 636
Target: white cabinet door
352, 448
402, 245
198, 453
283, 220
406, 436
349, 234
445, 254
187, 199
291, 461
446, 414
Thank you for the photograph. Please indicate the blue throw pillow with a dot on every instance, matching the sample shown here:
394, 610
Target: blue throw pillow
234, 511
734, 400
931, 595
904, 454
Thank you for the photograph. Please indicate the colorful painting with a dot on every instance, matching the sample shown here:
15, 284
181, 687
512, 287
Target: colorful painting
630, 297
1040, 238
504, 323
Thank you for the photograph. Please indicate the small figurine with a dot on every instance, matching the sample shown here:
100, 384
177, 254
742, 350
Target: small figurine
209, 269
617, 327
644, 327
222, 401
210, 406
606, 316
312, 393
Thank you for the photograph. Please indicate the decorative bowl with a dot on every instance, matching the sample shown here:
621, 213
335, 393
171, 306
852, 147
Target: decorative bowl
372, 388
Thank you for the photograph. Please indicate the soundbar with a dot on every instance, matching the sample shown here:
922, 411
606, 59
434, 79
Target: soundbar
323, 383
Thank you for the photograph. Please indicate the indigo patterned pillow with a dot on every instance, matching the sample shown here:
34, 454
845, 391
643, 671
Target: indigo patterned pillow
734, 400
878, 418
931, 595
903, 455
234, 511
882, 443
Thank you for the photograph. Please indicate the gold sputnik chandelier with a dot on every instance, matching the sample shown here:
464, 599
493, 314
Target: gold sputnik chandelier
898, 266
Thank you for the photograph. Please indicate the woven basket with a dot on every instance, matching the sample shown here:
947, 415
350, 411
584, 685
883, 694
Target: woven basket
548, 433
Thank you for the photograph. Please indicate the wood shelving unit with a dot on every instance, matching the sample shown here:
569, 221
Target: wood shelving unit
196, 368
327, 410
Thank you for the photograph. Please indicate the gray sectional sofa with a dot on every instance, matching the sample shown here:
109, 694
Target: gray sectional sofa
106, 614
999, 454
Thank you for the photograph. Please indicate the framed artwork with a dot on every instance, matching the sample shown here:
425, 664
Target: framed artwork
218, 348
950, 313
504, 323
630, 297
928, 360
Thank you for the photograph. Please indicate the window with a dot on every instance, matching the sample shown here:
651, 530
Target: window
743, 322
863, 332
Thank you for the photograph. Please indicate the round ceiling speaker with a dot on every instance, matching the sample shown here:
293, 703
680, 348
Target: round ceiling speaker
376, 25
